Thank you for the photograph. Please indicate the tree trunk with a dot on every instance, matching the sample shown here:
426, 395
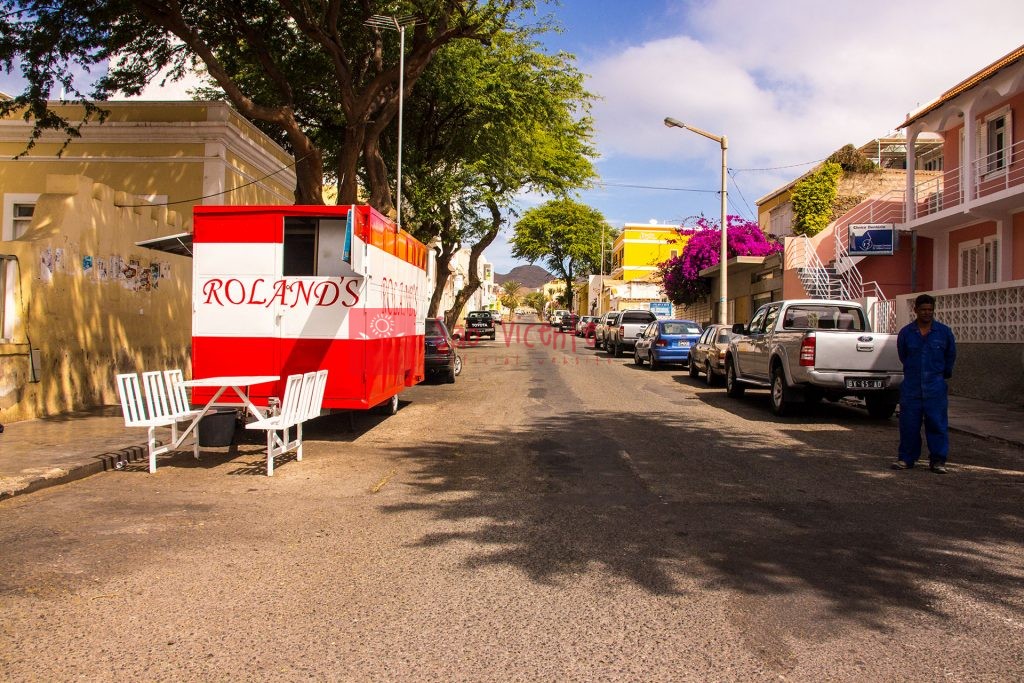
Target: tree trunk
442, 272
309, 171
348, 164
377, 175
451, 316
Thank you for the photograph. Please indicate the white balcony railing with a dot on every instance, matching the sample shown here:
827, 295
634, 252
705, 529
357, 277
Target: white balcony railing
935, 194
993, 173
999, 171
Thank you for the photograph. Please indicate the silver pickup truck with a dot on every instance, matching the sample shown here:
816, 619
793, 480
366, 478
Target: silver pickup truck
809, 349
622, 332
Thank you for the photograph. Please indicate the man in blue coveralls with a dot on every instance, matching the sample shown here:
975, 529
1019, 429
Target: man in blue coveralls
927, 350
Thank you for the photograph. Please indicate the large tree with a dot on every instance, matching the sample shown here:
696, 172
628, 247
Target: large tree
486, 124
310, 70
566, 235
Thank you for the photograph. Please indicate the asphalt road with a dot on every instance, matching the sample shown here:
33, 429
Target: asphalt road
555, 515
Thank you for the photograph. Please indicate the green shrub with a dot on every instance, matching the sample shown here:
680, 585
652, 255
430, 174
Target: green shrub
813, 198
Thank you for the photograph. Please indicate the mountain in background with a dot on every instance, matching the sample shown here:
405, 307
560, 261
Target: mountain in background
531, 277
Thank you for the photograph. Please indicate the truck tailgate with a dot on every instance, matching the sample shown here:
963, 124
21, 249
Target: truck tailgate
857, 352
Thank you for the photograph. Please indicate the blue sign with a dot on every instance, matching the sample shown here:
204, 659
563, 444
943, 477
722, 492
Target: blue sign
872, 239
661, 309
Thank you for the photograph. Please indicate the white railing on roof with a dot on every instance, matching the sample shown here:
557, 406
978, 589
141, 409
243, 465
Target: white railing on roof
999, 171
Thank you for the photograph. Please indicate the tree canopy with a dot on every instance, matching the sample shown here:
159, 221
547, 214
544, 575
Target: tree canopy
485, 124
564, 234
312, 73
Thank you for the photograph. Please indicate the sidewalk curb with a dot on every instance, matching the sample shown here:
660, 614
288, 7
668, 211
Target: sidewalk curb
104, 462
987, 437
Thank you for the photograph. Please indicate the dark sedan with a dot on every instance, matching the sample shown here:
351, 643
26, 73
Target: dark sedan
441, 357
707, 354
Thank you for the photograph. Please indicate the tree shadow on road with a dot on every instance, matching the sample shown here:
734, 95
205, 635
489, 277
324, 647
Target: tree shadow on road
674, 504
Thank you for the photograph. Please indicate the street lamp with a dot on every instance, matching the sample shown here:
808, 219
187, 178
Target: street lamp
397, 23
721, 139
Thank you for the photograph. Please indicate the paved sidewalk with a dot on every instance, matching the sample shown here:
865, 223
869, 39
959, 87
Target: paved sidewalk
35, 454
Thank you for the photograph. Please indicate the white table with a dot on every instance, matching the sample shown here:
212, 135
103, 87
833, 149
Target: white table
239, 384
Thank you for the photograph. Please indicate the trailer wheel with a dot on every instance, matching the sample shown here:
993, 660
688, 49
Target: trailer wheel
389, 407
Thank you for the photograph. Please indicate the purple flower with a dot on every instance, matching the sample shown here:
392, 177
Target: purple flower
680, 275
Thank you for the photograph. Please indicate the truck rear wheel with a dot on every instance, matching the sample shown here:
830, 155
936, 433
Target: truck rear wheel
781, 402
732, 388
880, 406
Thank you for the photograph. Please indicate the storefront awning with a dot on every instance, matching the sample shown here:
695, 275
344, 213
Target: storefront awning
180, 244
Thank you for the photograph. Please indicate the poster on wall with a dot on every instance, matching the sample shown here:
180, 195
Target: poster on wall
872, 239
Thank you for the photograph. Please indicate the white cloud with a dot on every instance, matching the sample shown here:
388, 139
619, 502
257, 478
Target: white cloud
791, 81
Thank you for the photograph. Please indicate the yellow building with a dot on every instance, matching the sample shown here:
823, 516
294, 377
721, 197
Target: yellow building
80, 301
640, 247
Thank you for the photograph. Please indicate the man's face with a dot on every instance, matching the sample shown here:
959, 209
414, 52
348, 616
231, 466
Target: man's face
925, 313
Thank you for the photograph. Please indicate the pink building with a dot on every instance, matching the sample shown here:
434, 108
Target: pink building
959, 232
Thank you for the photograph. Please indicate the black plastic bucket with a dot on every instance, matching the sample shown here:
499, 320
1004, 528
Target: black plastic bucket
217, 428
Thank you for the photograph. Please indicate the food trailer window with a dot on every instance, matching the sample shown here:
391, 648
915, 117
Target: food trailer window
300, 245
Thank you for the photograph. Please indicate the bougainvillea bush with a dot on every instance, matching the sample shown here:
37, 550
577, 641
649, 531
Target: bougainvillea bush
680, 275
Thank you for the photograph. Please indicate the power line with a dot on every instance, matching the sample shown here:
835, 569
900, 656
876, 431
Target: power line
750, 212
776, 168
217, 194
675, 189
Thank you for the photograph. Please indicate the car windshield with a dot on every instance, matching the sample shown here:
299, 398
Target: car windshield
434, 328
724, 336
479, 315
637, 318
681, 328
824, 317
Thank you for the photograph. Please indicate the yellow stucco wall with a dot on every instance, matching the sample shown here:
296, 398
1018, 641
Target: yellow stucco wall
90, 301
178, 150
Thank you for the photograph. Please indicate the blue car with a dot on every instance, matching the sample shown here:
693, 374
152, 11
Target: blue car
666, 341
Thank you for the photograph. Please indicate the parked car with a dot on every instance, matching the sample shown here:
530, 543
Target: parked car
441, 357
496, 317
707, 354
555, 319
479, 324
601, 328
623, 331
568, 322
585, 326
809, 349
666, 341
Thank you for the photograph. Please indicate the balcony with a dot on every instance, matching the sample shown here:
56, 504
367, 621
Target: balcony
998, 185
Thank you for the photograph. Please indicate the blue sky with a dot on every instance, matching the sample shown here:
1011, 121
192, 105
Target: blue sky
787, 81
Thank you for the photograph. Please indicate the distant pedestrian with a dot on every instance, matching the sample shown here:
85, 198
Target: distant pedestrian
927, 350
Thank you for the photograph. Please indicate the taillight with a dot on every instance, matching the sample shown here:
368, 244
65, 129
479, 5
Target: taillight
661, 342
443, 347
808, 347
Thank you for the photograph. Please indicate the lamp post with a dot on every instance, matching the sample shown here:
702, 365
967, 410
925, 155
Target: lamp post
397, 23
723, 308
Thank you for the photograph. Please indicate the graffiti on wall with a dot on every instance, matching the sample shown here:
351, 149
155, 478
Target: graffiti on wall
131, 273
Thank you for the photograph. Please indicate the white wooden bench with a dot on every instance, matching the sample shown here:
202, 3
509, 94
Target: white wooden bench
159, 414
302, 399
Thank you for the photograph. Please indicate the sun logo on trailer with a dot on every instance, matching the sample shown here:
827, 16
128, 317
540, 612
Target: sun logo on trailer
382, 325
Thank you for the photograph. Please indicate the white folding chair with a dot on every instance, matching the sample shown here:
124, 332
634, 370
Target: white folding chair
292, 413
167, 398
133, 406
317, 401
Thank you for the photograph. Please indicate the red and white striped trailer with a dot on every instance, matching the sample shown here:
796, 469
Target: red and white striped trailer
279, 290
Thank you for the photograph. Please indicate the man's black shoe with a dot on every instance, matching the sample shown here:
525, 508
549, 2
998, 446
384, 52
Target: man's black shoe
901, 465
939, 468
